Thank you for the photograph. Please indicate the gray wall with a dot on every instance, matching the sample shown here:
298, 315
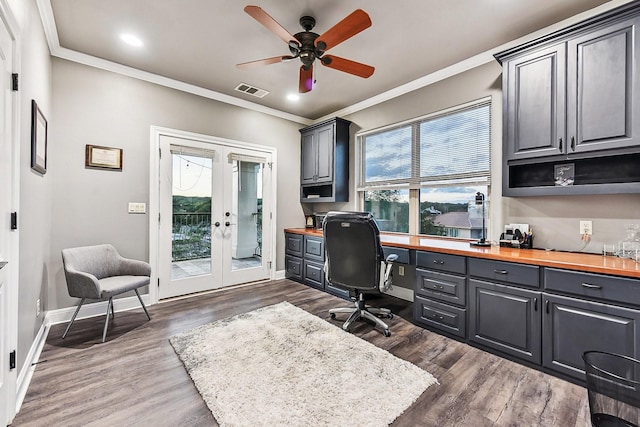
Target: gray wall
34, 212
102, 108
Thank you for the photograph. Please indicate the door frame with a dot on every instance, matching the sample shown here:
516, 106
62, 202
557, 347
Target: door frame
12, 245
154, 194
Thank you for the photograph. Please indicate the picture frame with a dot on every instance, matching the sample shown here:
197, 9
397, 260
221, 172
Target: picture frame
39, 139
99, 157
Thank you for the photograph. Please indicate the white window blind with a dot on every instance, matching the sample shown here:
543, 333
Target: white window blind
442, 149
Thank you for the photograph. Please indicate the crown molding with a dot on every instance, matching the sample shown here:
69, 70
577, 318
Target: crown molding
51, 32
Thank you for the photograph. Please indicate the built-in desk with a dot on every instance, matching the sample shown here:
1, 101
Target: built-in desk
541, 308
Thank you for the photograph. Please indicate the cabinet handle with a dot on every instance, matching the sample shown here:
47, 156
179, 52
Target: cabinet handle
501, 271
560, 144
435, 261
573, 143
590, 286
546, 304
535, 304
438, 287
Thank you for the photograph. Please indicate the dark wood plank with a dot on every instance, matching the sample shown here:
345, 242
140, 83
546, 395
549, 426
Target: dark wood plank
135, 378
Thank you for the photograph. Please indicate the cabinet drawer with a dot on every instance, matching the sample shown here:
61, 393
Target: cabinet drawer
293, 244
293, 268
441, 316
441, 286
313, 274
518, 274
609, 288
314, 248
441, 262
403, 254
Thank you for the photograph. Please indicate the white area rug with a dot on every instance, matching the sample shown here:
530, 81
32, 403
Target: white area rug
280, 365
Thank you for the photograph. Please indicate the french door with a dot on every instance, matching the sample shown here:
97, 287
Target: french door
215, 213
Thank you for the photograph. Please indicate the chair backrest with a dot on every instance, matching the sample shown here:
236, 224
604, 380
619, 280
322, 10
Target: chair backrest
100, 260
353, 251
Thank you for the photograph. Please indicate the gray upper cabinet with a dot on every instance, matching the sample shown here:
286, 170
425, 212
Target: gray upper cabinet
568, 106
602, 88
324, 163
535, 124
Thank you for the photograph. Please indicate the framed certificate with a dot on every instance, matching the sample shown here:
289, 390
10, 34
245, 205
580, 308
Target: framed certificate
103, 157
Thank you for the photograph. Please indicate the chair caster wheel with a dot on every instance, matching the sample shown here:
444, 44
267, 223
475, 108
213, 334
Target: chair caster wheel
387, 333
390, 315
332, 315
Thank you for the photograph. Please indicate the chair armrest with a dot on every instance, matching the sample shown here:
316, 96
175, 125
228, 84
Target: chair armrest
391, 258
133, 267
82, 285
386, 278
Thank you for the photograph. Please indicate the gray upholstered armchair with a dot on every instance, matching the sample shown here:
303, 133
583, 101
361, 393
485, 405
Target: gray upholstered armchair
99, 272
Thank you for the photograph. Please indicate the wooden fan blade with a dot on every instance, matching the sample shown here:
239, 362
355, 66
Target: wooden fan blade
348, 66
271, 24
350, 26
266, 61
306, 79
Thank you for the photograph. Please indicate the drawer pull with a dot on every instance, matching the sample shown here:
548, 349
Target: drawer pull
435, 261
535, 304
590, 286
437, 317
501, 271
438, 287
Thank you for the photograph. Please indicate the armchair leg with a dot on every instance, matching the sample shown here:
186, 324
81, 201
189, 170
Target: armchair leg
73, 318
106, 321
142, 304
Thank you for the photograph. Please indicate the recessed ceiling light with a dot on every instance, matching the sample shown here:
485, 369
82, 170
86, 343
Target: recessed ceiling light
131, 40
293, 97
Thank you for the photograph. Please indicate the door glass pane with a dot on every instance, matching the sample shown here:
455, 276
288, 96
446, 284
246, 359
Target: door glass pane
191, 231
246, 233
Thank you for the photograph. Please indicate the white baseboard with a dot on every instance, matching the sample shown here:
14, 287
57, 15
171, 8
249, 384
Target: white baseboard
95, 309
26, 372
280, 274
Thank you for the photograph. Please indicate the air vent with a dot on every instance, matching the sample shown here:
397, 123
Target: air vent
251, 90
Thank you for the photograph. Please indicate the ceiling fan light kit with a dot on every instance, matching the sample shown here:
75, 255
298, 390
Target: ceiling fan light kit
309, 46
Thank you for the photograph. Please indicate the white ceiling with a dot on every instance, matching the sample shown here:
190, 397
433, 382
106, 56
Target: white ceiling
199, 42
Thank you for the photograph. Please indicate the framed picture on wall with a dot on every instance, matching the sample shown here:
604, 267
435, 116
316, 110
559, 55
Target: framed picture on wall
103, 157
38, 139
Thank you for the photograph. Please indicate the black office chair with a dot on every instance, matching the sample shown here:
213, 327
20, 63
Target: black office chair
354, 261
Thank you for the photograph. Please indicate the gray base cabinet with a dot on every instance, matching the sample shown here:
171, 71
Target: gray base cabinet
440, 293
506, 318
572, 326
304, 263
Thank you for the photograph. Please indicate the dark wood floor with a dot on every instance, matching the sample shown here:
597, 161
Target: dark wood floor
136, 379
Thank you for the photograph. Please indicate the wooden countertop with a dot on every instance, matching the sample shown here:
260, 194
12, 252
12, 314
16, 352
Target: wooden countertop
568, 260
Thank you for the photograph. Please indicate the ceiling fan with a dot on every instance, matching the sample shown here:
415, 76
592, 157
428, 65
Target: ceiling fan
309, 46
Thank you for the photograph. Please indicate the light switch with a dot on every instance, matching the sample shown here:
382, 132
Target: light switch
137, 208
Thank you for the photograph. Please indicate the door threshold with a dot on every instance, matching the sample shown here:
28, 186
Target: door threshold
212, 291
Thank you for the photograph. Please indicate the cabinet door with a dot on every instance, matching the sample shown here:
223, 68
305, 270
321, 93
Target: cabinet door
535, 101
309, 158
602, 88
324, 141
572, 326
506, 319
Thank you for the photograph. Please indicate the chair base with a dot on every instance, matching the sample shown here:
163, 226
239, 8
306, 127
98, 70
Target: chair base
362, 311
106, 321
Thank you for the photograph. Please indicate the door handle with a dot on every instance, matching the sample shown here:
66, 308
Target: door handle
546, 303
561, 144
573, 143
535, 304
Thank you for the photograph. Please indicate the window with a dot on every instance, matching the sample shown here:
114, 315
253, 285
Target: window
422, 176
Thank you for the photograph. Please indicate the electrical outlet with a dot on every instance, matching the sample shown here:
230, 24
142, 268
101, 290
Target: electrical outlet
38, 307
586, 228
401, 270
